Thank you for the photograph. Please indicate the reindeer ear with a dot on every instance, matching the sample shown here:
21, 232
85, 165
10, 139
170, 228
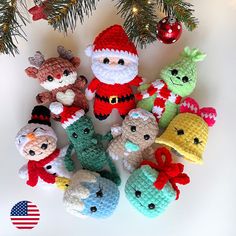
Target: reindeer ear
75, 61
32, 72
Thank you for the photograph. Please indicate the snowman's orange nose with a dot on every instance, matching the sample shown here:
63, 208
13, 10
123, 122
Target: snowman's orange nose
31, 136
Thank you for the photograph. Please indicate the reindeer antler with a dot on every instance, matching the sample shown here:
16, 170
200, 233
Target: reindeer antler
66, 54
37, 60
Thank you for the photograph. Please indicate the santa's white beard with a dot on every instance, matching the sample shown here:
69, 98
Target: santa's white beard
114, 74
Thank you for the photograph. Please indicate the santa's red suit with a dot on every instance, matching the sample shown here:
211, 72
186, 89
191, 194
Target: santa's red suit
108, 97
115, 66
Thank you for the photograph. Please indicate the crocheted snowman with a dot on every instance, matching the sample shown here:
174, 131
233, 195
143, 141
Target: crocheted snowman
59, 76
115, 66
37, 142
178, 80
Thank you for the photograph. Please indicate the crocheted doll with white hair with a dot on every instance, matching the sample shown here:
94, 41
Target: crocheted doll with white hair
115, 67
58, 75
132, 141
90, 195
37, 142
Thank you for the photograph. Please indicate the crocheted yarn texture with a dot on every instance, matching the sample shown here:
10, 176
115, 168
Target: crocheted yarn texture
86, 143
137, 133
152, 187
90, 195
177, 80
59, 76
187, 133
115, 67
37, 142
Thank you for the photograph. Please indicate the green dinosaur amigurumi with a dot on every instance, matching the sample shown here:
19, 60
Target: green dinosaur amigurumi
178, 80
86, 143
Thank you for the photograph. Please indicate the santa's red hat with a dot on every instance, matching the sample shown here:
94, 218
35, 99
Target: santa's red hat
68, 114
113, 42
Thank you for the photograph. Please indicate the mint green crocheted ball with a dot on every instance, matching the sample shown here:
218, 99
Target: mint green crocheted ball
142, 194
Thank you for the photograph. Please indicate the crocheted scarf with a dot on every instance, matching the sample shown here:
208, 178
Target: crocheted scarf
36, 170
160, 88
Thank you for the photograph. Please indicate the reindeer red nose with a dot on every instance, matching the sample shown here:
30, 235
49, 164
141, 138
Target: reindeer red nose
58, 76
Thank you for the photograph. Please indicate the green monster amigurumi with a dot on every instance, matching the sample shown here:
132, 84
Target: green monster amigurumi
178, 80
86, 143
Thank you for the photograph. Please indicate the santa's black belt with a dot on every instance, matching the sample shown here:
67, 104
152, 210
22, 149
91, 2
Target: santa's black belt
115, 99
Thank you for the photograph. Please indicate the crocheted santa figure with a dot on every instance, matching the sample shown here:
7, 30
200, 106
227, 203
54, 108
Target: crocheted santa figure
115, 66
37, 142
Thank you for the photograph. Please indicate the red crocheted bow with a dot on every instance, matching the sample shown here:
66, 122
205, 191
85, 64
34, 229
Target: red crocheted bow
168, 171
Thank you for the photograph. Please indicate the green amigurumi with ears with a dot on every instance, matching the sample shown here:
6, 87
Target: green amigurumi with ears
178, 80
86, 143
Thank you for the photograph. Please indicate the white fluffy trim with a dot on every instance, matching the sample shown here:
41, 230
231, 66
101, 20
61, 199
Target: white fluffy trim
89, 50
115, 53
89, 94
56, 108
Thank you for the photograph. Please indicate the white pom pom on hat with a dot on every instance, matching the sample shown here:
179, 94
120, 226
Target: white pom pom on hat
56, 108
89, 50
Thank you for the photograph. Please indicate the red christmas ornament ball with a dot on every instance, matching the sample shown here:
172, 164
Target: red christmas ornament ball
169, 30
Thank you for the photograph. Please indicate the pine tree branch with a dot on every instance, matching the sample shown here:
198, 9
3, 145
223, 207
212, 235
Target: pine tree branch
63, 14
183, 11
11, 22
140, 20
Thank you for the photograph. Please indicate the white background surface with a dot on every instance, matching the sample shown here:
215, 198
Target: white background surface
206, 206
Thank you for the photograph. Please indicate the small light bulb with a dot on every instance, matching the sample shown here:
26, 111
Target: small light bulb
149, 2
135, 9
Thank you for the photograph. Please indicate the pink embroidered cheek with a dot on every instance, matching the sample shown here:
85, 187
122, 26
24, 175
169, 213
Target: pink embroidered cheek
39, 148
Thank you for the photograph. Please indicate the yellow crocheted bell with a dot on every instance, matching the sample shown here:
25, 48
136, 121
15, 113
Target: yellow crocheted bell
187, 133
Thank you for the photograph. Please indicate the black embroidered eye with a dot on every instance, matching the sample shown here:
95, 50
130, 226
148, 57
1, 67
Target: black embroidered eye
151, 206
74, 135
66, 72
133, 128
50, 78
196, 141
106, 60
44, 146
86, 130
121, 62
138, 193
48, 167
146, 136
185, 79
93, 209
32, 153
99, 193
180, 132
174, 72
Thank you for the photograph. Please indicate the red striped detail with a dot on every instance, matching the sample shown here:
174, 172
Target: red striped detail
19, 227
25, 223
24, 218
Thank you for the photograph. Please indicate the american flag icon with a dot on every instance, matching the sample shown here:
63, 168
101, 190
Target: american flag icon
25, 215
